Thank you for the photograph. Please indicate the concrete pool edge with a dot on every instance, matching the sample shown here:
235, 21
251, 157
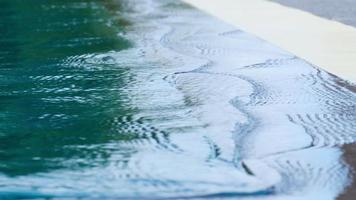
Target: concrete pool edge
322, 42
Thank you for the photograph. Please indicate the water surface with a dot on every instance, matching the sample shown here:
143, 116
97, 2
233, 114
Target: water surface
154, 99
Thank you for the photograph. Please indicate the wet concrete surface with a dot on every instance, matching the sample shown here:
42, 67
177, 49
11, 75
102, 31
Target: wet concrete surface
350, 159
343, 11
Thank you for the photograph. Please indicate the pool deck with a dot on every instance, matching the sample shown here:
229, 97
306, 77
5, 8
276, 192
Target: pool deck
325, 43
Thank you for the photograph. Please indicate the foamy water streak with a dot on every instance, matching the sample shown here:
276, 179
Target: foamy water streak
219, 113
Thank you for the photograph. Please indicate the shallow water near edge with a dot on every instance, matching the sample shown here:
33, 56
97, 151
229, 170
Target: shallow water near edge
154, 99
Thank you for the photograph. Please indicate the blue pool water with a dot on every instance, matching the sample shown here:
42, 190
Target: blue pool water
152, 99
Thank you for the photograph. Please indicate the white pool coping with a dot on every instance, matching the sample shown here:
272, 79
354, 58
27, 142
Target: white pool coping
327, 44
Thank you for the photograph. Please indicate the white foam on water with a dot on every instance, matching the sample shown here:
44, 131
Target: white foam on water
220, 112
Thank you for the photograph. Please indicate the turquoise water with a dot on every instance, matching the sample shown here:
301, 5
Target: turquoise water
153, 99
51, 96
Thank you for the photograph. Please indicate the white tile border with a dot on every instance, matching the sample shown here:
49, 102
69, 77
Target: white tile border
325, 43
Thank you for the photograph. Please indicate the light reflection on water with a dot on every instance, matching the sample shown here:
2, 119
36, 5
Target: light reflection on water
148, 99
57, 89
